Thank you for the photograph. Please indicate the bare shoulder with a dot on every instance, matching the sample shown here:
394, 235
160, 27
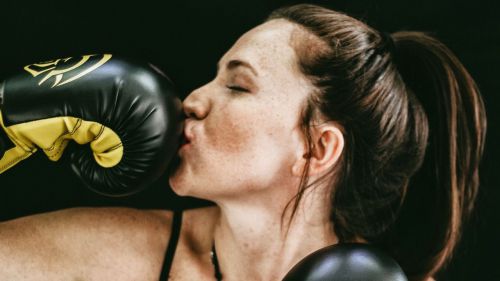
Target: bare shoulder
89, 243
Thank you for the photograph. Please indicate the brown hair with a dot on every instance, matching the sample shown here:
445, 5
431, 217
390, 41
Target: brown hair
414, 126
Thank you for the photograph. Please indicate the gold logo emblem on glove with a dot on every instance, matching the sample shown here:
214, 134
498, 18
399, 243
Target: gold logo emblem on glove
59, 69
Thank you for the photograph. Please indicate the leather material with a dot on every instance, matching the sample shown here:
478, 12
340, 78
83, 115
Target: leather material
130, 99
52, 136
5, 143
347, 262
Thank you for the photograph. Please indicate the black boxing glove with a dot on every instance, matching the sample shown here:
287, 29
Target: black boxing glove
127, 111
347, 262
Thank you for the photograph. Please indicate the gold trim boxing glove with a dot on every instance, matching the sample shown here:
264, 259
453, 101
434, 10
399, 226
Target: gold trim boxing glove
127, 111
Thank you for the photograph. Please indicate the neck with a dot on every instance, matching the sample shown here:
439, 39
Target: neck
261, 246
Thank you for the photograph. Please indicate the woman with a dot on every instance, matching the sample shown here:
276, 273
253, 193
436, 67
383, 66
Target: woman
316, 130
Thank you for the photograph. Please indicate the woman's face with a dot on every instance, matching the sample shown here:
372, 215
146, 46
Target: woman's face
244, 124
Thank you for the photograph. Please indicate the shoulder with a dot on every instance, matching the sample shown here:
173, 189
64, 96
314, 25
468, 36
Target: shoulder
88, 241
134, 238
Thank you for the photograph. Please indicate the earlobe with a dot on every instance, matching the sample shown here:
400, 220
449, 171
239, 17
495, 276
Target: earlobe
298, 166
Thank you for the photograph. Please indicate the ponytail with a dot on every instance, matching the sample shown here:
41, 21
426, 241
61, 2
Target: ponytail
442, 192
414, 127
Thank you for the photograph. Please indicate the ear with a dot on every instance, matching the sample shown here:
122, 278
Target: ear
327, 145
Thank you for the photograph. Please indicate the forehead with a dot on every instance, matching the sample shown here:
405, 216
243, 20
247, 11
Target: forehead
267, 47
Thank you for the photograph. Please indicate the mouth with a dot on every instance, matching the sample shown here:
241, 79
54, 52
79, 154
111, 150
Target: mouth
185, 137
184, 140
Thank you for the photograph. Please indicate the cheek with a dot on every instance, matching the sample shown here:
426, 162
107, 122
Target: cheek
250, 149
242, 129
232, 135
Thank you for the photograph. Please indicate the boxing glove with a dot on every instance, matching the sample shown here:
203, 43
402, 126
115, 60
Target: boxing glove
126, 111
347, 262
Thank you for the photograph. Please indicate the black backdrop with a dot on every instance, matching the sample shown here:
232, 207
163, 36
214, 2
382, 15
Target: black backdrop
187, 38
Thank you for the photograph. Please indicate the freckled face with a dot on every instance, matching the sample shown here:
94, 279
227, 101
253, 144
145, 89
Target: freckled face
244, 124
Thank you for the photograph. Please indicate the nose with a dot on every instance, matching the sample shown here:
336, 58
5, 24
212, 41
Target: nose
196, 105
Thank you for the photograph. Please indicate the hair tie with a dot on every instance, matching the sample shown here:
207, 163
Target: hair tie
387, 42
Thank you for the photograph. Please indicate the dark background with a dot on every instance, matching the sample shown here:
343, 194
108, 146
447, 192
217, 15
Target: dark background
187, 38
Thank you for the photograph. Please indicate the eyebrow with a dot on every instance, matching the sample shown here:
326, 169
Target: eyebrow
232, 64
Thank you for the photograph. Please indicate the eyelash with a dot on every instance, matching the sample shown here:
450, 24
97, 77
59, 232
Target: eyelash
237, 89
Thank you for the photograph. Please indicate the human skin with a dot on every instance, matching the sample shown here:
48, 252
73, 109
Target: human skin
247, 154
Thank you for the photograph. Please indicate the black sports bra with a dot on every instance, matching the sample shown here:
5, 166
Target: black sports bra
172, 245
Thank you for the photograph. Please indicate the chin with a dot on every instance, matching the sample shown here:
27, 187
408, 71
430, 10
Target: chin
177, 178
181, 185
176, 186
184, 188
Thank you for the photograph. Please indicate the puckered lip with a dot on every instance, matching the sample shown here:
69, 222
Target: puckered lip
186, 136
184, 140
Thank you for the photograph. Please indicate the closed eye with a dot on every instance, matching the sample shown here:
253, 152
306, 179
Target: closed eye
237, 89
